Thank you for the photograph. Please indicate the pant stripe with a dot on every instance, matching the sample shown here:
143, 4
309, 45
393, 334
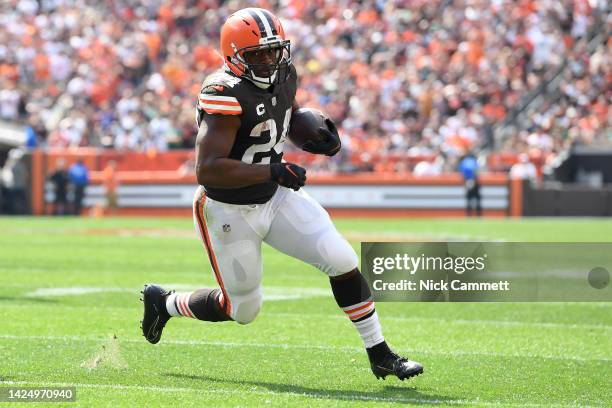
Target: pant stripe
199, 210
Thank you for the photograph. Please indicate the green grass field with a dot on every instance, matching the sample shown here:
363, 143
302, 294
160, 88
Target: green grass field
69, 292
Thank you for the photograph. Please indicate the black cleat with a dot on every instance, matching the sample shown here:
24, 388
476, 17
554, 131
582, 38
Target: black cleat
155, 314
384, 362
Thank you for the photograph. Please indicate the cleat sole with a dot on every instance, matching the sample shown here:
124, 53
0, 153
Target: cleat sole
412, 375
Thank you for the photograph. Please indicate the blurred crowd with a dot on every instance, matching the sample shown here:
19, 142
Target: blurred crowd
578, 112
427, 78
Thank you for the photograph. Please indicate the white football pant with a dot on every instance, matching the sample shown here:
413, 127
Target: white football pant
291, 221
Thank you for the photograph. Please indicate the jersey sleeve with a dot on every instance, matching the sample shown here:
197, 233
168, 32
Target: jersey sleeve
293, 81
217, 99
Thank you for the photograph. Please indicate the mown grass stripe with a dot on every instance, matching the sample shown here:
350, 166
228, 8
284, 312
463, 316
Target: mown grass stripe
383, 317
287, 346
313, 394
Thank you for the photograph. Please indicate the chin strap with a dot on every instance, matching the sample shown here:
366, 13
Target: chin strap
260, 82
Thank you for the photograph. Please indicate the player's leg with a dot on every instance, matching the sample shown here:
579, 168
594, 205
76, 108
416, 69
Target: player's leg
302, 229
234, 252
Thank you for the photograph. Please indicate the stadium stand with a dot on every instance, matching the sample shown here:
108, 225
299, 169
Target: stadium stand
418, 81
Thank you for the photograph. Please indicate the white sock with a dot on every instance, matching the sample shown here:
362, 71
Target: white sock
171, 305
370, 331
177, 304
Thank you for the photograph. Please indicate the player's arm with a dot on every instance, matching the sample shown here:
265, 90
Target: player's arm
213, 167
215, 139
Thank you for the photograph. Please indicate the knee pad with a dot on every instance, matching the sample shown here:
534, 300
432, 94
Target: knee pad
339, 255
246, 307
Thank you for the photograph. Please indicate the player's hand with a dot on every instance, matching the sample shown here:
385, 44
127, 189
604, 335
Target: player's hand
330, 145
288, 175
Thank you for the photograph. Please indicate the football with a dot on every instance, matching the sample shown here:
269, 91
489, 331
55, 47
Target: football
305, 124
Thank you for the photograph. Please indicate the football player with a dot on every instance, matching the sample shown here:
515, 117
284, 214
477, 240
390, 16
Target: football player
248, 195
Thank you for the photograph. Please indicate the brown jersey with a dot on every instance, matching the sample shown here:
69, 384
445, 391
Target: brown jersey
264, 123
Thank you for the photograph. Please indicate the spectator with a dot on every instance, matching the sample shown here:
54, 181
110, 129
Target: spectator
14, 183
427, 168
79, 178
9, 102
468, 167
524, 169
59, 179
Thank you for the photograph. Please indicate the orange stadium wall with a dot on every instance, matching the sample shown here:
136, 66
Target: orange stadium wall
162, 184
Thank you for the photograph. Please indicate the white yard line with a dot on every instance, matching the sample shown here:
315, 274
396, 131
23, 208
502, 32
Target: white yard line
272, 293
499, 323
286, 346
308, 394
72, 291
400, 236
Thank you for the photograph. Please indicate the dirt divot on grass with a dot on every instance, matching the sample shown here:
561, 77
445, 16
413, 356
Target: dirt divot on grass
108, 356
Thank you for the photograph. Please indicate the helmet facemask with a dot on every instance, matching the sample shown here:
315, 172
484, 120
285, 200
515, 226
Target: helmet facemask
264, 64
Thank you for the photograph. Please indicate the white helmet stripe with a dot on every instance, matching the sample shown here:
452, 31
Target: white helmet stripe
266, 24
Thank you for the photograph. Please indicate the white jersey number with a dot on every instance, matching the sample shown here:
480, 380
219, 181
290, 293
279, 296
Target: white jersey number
273, 144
